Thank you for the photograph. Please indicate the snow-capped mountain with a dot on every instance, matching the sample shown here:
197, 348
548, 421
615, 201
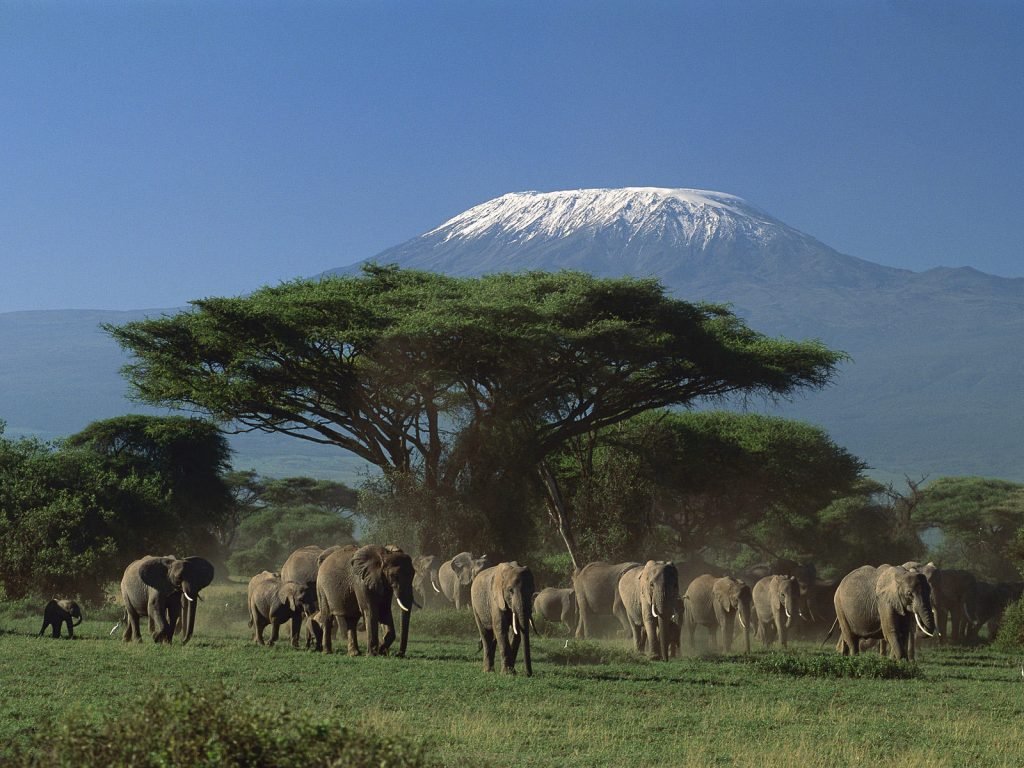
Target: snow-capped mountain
935, 356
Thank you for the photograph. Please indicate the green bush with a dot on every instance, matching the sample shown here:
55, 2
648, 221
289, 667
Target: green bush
868, 665
1011, 630
444, 622
209, 728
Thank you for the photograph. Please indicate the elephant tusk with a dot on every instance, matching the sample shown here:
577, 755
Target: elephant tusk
114, 629
738, 616
515, 624
401, 604
788, 614
186, 596
654, 613
435, 588
921, 626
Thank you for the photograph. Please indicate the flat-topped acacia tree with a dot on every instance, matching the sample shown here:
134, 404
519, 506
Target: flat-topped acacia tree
403, 368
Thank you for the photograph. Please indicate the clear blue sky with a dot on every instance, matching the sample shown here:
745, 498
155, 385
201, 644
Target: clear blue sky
155, 152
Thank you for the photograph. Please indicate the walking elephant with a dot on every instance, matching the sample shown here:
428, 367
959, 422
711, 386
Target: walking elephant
776, 599
501, 598
362, 581
597, 594
716, 603
557, 605
954, 594
455, 576
61, 612
990, 600
649, 595
427, 582
164, 589
274, 601
883, 603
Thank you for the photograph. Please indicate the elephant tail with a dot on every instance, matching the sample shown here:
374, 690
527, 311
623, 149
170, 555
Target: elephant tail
830, 631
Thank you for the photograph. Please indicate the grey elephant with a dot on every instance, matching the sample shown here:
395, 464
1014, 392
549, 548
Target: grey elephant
954, 595
164, 589
717, 603
354, 582
61, 612
776, 601
455, 576
649, 595
557, 605
501, 598
597, 594
883, 603
427, 582
274, 601
990, 600
303, 563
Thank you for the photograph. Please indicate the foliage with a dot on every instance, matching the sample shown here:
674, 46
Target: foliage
1011, 629
414, 372
979, 519
832, 665
590, 652
209, 726
282, 515
665, 483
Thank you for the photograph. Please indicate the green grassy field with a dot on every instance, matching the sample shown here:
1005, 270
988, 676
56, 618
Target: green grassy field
965, 708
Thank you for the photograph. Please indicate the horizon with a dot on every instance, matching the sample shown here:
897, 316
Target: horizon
161, 153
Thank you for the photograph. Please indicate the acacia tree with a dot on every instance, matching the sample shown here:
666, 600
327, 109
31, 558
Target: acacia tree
415, 371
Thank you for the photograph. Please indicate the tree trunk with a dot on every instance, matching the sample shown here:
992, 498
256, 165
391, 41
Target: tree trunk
558, 512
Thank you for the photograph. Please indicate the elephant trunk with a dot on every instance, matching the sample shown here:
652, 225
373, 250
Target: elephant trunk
663, 636
434, 582
925, 617
743, 613
404, 640
76, 623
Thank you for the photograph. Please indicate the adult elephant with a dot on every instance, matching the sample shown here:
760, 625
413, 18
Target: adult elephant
557, 605
649, 595
990, 600
954, 593
716, 603
362, 581
61, 612
501, 598
164, 589
776, 599
426, 583
455, 576
274, 601
883, 603
597, 594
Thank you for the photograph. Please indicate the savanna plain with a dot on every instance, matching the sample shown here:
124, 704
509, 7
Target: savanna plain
593, 703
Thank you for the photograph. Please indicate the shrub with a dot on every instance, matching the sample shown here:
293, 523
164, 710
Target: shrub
210, 728
1011, 630
443, 622
868, 665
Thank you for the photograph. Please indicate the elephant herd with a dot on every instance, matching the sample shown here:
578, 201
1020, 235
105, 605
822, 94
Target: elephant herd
328, 589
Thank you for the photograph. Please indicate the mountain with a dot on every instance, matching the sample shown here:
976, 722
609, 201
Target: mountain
933, 386
936, 372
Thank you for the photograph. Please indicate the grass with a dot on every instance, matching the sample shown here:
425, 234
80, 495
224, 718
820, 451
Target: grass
591, 704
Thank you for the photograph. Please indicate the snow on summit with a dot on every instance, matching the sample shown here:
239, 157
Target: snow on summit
690, 215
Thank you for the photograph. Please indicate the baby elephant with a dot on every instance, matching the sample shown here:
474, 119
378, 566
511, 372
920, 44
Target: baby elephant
59, 612
275, 602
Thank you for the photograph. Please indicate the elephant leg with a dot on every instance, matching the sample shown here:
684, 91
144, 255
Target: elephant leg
296, 628
258, 625
275, 631
327, 624
71, 628
507, 656
351, 635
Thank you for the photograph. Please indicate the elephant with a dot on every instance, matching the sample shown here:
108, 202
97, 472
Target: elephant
954, 593
597, 594
426, 583
274, 601
558, 605
776, 598
878, 603
362, 581
302, 564
990, 600
58, 612
455, 576
501, 599
649, 595
164, 589
716, 603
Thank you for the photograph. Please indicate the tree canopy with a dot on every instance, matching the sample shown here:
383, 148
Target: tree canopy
415, 371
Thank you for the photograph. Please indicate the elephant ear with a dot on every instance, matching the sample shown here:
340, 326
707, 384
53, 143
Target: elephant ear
462, 565
199, 572
153, 573
368, 565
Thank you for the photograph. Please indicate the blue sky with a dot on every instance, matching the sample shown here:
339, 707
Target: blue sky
155, 152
